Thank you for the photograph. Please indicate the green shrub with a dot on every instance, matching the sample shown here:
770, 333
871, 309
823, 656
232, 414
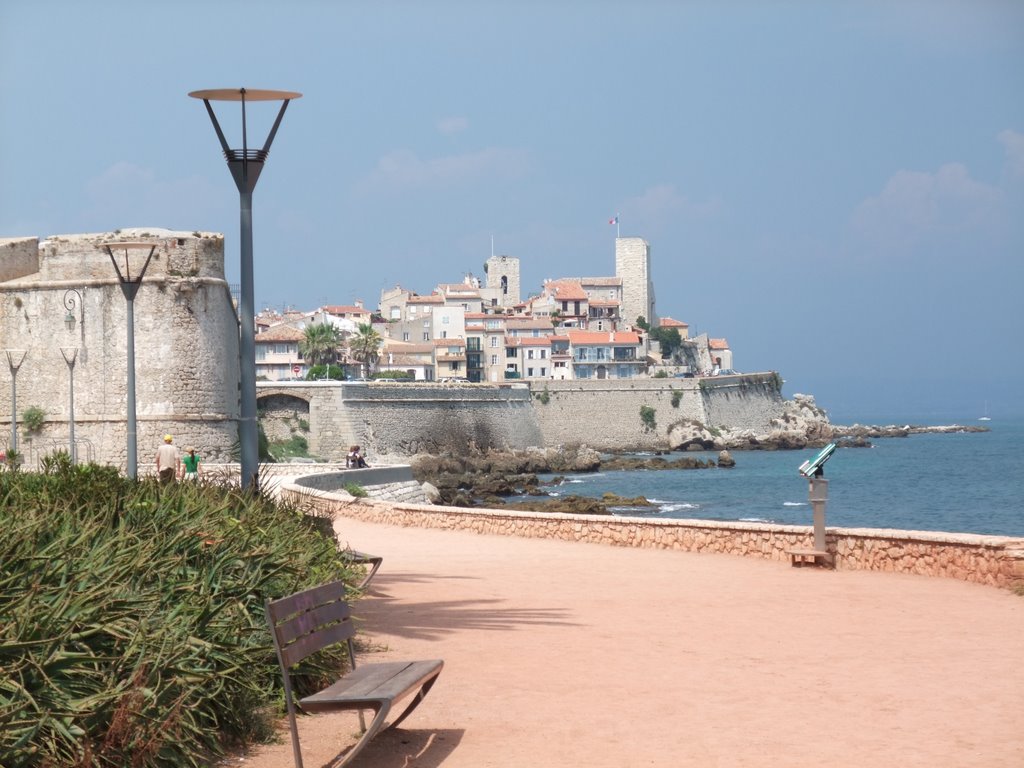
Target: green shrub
33, 418
661, 374
354, 489
132, 629
647, 417
544, 397
677, 396
304, 425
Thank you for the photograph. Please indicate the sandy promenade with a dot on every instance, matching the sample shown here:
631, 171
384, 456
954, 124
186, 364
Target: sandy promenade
560, 654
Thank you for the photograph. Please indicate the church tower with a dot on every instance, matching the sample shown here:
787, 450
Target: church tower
503, 274
633, 267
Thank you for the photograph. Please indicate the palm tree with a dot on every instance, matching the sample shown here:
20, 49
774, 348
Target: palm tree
320, 344
365, 345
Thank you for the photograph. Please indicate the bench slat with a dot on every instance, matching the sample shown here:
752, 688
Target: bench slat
310, 644
307, 599
370, 683
297, 626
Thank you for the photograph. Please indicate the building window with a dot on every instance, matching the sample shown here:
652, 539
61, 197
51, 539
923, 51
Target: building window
261, 352
511, 352
543, 354
426, 335
494, 359
444, 320
405, 335
529, 354
444, 334
494, 341
543, 371
529, 372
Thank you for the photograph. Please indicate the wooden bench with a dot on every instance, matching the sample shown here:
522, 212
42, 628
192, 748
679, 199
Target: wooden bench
308, 621
805, 557
372, 562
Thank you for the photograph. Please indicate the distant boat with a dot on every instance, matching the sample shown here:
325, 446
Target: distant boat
985, 417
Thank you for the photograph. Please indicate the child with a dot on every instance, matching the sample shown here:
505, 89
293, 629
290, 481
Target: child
190, 464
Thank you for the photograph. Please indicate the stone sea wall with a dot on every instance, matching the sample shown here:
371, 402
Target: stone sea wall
991, 560
403, 419
606, 415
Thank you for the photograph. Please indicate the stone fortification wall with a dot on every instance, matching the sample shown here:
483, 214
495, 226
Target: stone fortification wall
405, 419
19, 256
991, 560
748, 401
606, 414
186, 347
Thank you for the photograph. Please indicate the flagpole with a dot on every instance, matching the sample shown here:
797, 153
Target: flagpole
618, 232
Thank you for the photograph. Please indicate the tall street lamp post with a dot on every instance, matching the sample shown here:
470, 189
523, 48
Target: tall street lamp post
130, 287
70, 355
245, 165
15, 357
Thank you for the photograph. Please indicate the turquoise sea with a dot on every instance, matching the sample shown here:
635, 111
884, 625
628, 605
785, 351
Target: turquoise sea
966, 482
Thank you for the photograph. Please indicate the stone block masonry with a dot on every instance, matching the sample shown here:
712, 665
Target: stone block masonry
606, 415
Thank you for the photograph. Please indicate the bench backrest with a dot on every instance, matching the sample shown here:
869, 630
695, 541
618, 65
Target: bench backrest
308, 621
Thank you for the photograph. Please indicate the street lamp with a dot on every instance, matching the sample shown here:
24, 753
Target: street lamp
15, 357
130, 287
245, 165
70, 355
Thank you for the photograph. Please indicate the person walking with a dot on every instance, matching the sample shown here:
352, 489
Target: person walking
190, 464
168, 463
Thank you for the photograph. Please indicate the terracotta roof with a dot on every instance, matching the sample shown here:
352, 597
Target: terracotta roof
599, 281
605, 303
566, 290
449, 342
603, 337
434, 298
668, 322
341, 309
527, 323
718, 344
280, 333
534, 341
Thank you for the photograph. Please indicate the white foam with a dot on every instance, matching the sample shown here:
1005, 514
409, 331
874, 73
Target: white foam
794, 503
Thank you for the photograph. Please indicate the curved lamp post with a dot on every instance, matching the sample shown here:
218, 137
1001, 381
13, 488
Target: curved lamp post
245, 165
130, 287
70, 355
15, 357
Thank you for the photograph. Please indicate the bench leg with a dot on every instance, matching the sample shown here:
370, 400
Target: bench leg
422, 694
375, 726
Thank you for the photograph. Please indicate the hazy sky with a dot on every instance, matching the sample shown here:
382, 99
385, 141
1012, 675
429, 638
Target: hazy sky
835, 187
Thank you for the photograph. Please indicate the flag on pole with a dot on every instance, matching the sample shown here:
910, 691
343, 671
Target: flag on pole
614, 220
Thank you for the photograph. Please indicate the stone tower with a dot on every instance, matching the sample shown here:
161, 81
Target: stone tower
186, 345
633, 267
503, 273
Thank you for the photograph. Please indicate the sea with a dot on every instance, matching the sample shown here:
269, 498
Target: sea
960, 482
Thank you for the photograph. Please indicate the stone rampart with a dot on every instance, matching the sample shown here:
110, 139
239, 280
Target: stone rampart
401, 419
606, 414
991, 560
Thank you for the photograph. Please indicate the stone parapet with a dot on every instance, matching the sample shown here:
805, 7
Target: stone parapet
991, 560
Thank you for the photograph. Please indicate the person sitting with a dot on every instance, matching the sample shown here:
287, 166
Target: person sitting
355, 458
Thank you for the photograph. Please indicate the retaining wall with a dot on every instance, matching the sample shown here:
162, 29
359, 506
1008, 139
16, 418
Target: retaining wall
992, 560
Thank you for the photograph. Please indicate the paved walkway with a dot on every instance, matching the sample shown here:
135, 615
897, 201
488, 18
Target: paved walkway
561, 654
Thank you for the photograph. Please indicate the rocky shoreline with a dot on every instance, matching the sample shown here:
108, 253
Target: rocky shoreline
487, 479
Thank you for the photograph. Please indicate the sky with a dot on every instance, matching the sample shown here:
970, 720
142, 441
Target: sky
836, 188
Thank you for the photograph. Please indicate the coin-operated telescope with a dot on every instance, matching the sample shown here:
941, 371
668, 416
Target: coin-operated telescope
817, 492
